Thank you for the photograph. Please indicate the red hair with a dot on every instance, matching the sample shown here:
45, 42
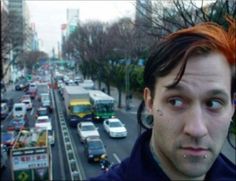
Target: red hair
216, 38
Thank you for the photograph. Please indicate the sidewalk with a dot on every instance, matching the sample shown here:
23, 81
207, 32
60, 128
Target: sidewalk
134, 103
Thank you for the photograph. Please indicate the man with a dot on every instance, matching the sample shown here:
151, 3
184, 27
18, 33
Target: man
188, 93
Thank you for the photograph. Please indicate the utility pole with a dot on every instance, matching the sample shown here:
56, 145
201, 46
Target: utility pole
127, 96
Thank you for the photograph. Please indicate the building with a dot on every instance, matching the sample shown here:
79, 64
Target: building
72, 16
5, 45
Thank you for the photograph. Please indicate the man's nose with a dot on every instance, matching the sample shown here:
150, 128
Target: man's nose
195, 125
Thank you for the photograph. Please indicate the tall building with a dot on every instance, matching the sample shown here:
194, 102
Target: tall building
5, 45
72, 16
16, 9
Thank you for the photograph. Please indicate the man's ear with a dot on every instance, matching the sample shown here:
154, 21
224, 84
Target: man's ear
148, 99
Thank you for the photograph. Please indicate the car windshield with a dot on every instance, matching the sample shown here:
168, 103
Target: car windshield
115, 124
88, 128
43, 120
18, 108
95, 145
42, 112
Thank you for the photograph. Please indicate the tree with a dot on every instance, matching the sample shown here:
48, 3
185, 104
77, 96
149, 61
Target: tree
11, 40
179, 14
32, 58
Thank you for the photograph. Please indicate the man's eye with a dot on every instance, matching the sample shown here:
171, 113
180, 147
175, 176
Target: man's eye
214, 104
176, 102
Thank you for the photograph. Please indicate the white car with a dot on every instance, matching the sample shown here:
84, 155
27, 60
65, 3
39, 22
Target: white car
45, 122
28, 103
87, 129
115, 128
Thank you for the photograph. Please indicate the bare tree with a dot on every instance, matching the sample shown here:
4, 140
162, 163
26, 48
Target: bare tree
11, 40
178, 14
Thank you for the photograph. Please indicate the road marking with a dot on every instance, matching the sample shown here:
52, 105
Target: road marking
32, 112
117, 158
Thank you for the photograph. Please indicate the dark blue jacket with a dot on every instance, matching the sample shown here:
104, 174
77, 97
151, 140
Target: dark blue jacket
142, 166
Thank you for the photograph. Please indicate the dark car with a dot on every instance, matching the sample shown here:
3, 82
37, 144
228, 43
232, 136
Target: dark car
22, 85
9, 103
94, 149
16, 124
8, 138
42, 111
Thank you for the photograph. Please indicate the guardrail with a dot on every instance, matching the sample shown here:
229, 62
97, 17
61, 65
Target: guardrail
74, 169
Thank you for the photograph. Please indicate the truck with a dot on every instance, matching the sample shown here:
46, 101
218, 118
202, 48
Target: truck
44, 95
77, 105
30, 156
102, 105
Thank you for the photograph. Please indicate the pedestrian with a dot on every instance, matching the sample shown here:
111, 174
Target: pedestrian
189, 83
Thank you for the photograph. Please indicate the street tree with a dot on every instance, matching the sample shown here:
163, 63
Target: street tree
11, 40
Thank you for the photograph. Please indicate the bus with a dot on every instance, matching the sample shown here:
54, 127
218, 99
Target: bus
102, 104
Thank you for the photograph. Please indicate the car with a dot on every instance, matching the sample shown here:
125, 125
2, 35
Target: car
94, 149
88, 84
22, 85
8, 138
44, 122
16, 124
26, 96
9, 102
78, 79
115, 128
86, 129
19, 110
4, 110
28, 103
42, 111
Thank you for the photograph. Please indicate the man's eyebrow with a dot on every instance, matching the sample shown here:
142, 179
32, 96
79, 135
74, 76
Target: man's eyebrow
218, 92
214, 92
176, 87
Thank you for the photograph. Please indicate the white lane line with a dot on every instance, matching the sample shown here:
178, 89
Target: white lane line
32, 112
116, 157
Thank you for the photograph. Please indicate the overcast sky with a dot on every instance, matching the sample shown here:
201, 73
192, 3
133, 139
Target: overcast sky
48, 15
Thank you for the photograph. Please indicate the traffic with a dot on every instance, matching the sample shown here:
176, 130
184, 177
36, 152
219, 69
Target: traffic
97, 130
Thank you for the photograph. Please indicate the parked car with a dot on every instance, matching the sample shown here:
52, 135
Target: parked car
86, 129
9, 102
28, 104
4, 111
88, 84
94, 149
115, 128
16, 124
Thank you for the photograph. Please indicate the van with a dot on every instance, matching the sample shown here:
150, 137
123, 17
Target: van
45, 101
19, 110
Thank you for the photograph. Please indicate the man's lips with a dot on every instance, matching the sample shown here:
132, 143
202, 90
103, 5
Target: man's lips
195, 151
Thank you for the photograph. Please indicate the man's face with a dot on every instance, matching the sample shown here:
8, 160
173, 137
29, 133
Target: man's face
191, 120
